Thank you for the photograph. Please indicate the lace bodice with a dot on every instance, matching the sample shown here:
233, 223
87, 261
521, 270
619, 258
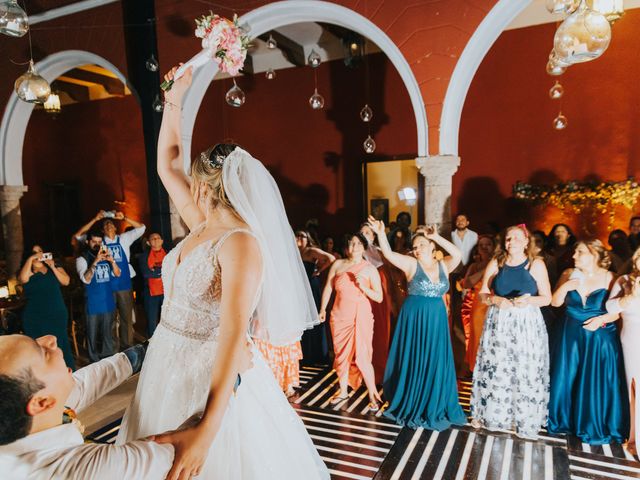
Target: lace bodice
191, 306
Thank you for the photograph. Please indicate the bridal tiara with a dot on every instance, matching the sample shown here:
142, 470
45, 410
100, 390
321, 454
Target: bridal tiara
215, 162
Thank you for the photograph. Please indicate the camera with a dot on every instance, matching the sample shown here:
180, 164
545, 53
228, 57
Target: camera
104, 249
46, 256
110, 214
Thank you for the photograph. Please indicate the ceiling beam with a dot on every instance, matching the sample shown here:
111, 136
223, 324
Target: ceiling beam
292, 51
112, 85
79, 93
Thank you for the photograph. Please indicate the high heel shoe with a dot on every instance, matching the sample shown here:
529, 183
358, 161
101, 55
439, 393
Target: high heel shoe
337, 398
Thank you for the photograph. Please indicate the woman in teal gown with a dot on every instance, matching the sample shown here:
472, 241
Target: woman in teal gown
45, 312
588, 387
420, 379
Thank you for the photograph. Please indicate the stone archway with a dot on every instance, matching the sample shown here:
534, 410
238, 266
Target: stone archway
278, 14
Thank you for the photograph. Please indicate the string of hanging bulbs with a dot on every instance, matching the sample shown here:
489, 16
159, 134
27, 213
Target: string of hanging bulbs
582, 36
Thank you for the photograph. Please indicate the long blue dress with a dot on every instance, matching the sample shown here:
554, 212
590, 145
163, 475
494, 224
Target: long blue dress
588, 387
420, 379
46, 313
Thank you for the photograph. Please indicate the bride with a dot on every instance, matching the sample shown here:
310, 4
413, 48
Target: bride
238, 272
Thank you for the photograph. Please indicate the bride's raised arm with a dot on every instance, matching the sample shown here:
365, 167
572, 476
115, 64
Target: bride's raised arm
170, 162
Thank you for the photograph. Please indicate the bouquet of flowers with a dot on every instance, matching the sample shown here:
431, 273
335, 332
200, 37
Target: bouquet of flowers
223, 41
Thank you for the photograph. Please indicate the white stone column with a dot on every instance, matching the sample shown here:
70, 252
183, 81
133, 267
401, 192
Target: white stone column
438, 171
10, 196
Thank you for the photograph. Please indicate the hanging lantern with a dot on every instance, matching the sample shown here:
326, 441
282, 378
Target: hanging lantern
366, 114
151, 64
31, 87
235, 96
562, 6
13, 19
314, 59
316, 100
582, 36
611, 9
157, 105
270, 74
52, 105
560, 122
555, 70
271, 43
556, 91
369, 145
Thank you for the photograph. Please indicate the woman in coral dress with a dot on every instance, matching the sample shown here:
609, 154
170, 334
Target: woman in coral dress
355, 281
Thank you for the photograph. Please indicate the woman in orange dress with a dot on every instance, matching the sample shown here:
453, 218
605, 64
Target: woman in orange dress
355, 281
284, 363
477, 309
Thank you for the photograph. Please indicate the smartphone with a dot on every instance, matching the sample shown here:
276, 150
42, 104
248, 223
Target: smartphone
104, 249
110, 214
46, 256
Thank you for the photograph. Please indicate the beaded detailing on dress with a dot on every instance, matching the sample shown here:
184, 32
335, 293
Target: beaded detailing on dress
422, 285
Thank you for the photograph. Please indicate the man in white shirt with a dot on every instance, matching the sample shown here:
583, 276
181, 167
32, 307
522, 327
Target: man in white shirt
35, 441
120, 248
463, 238
37, 391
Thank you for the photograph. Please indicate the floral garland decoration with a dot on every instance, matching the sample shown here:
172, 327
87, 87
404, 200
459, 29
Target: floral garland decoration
601, 196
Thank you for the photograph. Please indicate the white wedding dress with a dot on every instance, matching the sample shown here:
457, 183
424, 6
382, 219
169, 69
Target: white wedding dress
261, 436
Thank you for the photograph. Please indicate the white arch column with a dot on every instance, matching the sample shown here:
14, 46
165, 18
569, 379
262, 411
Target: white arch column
438, 171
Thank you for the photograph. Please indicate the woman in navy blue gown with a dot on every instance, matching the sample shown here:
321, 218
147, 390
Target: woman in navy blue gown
588, 387
420, 379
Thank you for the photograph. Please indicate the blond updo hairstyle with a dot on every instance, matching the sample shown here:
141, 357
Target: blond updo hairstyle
206, 170
597, 249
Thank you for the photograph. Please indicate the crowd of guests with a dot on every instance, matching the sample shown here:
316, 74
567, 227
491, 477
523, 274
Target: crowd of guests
105, 269
550, 325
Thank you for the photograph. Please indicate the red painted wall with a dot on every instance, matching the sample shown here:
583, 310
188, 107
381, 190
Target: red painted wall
315, 156
506, 132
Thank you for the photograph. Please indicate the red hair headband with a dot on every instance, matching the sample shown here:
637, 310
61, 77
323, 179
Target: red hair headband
523, 227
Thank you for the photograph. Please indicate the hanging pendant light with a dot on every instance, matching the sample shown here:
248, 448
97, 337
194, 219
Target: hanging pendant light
270, 74
560, 122
611, 9
369, 145
556, 91
151, 64
52, 105
13, 19
235, 96
157, 105
31, 87
366, 114
271, 43
582, 36
555, 70
316, 101
314, 59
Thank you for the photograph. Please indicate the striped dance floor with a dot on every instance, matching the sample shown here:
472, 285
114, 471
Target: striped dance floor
358, 444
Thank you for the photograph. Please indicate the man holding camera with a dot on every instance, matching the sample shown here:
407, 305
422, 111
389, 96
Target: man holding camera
120, 248
97, 269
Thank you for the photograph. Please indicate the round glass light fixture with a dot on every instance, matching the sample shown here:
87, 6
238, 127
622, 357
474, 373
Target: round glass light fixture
13, 19
366, 114
556, 91
271, 43
582, 36
555, 70
314, 59
235, 96
316, 101
31, 87
369, 145
560, 122
270, 74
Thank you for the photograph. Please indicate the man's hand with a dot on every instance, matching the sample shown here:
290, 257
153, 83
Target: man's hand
191, 448
99, 215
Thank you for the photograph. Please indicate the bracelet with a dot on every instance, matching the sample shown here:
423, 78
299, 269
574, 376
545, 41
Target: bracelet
171, 105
